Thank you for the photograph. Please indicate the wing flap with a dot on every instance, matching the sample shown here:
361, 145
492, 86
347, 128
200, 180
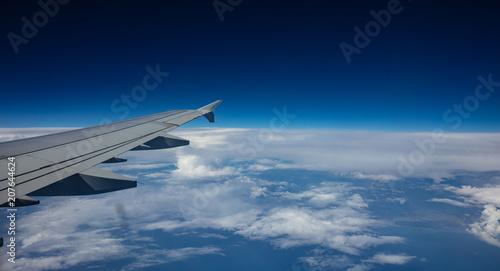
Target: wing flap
116, 159
22, 201
162, 142
88, 182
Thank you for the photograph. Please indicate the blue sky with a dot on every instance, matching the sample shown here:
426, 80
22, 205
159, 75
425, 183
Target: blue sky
262, 56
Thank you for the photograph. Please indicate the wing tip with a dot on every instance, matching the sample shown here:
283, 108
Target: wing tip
210, 107
208, 110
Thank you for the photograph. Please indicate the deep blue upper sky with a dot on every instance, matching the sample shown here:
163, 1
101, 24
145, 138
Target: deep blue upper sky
264, 55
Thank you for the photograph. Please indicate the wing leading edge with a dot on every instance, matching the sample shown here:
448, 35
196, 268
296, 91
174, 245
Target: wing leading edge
62, 164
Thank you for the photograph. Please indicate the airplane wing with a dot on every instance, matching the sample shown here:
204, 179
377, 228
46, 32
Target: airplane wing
62, 164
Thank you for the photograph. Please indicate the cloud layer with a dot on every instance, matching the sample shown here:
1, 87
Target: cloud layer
215, 185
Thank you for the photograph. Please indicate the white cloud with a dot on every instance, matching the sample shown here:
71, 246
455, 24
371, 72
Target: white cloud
157, 175
51, 241
330, 214
344, 227
400, 200
356, 201
487, 195
337, 228
449, 201
194, 167
259, 167
186, 252
488, 228
378, 177
52, 233
325, 194
212, 235
376, 153
209, 138
258, 191
383, 258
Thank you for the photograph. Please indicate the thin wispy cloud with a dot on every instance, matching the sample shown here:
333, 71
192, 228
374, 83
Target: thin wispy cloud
383, 258
449, 201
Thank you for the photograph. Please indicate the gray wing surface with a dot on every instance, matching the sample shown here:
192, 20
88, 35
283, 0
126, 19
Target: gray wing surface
62, 164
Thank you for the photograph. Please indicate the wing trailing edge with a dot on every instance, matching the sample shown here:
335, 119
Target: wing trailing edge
89, 182
116, 159
162, 142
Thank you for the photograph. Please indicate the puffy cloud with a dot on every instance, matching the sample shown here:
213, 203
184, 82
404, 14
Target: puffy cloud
356, 201
343, 227
258, 191
259, 167
194, 167
96, 232
376, 153
488, 228
338, 228
326, 193
488, 194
